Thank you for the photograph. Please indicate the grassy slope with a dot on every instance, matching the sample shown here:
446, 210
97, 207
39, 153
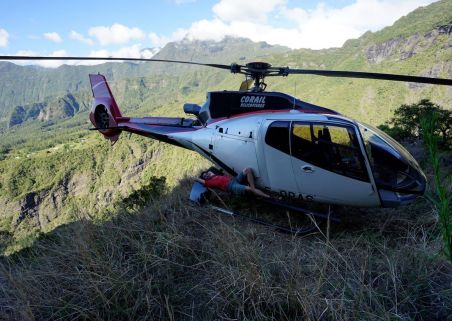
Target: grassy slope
172, 262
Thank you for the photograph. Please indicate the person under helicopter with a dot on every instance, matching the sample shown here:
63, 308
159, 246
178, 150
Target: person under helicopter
234, 185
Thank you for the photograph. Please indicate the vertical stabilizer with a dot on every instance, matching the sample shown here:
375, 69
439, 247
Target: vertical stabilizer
105, 111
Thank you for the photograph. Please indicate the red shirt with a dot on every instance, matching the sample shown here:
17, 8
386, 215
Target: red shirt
218, 181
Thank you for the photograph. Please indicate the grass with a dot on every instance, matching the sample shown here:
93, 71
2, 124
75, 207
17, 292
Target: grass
170, 261
440, 197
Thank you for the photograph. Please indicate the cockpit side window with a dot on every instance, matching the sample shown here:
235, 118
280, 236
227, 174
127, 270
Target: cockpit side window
331, 147
278, 136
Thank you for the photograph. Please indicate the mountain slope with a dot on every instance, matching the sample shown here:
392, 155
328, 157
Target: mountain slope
52, 109
425, 52
51, 171
21, 85
165, 260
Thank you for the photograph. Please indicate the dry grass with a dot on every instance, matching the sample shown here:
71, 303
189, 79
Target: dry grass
170, 261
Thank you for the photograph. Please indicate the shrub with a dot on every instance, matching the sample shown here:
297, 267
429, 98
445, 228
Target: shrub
406, 123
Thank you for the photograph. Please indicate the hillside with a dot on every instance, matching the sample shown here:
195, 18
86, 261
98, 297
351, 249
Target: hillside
47, 82
97, 175
417, 44
98, 232
166, 261
52, 167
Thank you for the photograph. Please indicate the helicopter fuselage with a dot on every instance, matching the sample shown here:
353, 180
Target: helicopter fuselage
292, 156
296, 149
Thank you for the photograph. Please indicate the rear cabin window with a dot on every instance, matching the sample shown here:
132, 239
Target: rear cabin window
331, 147
278, 136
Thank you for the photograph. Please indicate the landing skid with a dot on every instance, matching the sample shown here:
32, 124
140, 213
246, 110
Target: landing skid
199, 194
289, 230
324, 216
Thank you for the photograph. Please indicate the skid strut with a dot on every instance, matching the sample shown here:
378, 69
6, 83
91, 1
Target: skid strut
283, 229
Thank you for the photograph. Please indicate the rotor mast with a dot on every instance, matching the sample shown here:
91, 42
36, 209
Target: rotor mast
257, 71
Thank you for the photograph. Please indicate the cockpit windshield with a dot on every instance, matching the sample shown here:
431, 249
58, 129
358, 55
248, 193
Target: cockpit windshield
392, 165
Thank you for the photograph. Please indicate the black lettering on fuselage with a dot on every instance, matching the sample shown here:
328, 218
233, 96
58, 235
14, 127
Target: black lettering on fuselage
284, 194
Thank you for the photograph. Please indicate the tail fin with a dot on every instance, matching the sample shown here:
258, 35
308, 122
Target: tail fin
105, 112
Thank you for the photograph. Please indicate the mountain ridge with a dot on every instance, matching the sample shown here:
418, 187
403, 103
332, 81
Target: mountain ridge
434, 19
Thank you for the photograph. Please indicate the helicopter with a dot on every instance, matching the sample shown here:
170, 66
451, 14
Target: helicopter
297, 150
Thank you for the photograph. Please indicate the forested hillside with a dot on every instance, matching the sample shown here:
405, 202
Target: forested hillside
53, 169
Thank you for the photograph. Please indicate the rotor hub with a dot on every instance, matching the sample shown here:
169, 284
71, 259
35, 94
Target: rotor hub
257, 71
258, 66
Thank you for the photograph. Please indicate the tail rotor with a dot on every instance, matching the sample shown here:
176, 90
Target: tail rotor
105, 113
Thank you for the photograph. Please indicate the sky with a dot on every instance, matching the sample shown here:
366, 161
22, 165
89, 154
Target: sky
125, 28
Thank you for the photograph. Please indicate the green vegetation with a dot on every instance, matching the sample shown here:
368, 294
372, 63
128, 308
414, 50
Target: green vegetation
52, 170
407, 122
433, 124
422, 20
442, 197
167, 261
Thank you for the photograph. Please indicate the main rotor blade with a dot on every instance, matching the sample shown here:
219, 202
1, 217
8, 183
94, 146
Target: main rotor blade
235, 68
369, 75
227, 67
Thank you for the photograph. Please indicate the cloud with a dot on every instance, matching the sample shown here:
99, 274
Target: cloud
128, 52
149, 52
159, 41
45, 63
4, 37
116, 34
250, 10
134, 51
276, 23
273, 21
325, 27
53, 36
79, 37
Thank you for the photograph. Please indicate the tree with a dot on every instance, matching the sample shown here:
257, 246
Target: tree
406, 122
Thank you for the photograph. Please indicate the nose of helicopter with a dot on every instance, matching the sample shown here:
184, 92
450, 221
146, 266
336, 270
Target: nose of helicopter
397, 175
402, 188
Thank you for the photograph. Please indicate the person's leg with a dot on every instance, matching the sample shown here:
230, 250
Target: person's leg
237, 186
256, 191
249, 176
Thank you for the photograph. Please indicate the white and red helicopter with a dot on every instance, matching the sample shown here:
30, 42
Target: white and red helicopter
296, 149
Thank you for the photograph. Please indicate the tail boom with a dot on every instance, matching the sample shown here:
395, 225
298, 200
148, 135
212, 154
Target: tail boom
107, 118
176, 131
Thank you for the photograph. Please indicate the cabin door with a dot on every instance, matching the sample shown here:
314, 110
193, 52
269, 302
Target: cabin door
276, 163
329, 166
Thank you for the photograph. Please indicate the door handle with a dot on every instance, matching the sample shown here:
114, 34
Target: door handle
307, 169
